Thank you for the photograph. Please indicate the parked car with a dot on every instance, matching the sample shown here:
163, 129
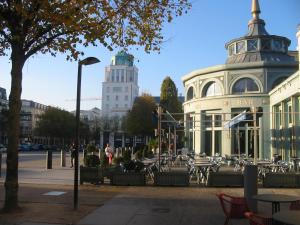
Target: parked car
2, 148
24, 147
37, 147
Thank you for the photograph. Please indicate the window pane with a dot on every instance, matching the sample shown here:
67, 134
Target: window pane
231, 50
240, 47
244, 85
266, 44
252, 45
190, 94
213, 89
218, 120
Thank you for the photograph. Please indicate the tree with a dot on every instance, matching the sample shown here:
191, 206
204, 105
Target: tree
169, 97
58, 123
169, 101
139, 119
28, 27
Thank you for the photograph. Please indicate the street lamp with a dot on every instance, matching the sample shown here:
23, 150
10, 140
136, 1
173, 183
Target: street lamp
86, 61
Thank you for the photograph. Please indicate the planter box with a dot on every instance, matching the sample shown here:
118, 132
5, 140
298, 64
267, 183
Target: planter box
225, 179
108, 171
91, 175
131, 178
172, 179
281, 180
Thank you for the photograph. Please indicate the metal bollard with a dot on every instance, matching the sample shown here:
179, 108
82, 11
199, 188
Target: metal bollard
0, 163
49, 159
63, 158
250, 186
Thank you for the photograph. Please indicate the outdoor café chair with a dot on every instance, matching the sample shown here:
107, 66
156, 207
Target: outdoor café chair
256, 219
233, 207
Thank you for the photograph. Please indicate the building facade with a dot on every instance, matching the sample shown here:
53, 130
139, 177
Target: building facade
285, 115
3, 99
30, 112
256, 63
3, 119
120, 86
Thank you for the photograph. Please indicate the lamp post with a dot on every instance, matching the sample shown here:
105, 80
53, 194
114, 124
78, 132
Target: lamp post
86, 61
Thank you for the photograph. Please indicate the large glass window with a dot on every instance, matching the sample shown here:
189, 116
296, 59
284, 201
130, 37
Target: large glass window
265, 44
277, 45
277, 117
252, 45
290, 113
231, 49
244, 85
212, 89
190, 94
240, 47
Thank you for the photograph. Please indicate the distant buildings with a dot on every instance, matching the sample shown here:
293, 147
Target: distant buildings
120, 86
3, 99
259, 65
30, 112
90, 117
3, 105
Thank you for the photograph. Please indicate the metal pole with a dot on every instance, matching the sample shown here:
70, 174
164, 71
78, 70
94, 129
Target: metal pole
159, 135
63, 157
255, 136
175, 140
0, 163
77, 136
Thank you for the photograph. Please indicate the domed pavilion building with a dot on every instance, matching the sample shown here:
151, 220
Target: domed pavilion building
219, 98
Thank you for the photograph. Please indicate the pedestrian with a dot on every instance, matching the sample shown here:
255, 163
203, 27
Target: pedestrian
73, 152
109, 153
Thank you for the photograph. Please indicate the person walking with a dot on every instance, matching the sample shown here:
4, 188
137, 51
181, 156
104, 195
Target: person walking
73, 152
109, 153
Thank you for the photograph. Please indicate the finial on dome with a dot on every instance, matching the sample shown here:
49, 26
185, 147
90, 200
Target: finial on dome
255, 9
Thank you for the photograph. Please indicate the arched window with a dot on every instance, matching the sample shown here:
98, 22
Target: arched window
190, 94
244, 85
212, 89
278, 81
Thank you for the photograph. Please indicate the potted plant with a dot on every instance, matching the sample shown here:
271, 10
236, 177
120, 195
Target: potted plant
91, 171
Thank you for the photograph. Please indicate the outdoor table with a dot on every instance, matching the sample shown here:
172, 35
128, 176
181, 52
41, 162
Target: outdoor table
276, 199
291, 217
202, 168
148, 162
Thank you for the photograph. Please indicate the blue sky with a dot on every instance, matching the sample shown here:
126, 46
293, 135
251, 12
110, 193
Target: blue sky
194, 41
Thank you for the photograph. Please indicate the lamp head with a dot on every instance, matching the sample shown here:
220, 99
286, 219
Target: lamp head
88, 61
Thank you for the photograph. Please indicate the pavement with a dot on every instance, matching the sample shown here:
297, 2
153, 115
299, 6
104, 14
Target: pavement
116, 205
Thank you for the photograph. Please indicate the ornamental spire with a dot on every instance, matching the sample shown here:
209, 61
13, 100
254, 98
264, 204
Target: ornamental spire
255, 9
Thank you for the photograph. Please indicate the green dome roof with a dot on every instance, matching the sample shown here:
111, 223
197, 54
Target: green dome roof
122, 58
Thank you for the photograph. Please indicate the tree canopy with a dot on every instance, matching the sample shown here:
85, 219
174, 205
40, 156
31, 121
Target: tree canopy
139, 119
169, 97
56, 123
51, 26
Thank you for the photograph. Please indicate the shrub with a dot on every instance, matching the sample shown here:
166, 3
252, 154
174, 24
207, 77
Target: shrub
91, 161
127, 155
118, 160
104, 160
91, 148
139, 154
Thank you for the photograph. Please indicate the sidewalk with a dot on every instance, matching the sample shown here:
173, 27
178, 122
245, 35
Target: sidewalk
112, 205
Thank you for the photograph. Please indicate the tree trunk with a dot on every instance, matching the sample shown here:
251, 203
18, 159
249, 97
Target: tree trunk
11, 181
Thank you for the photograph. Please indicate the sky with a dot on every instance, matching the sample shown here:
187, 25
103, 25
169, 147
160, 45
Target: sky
194, 41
